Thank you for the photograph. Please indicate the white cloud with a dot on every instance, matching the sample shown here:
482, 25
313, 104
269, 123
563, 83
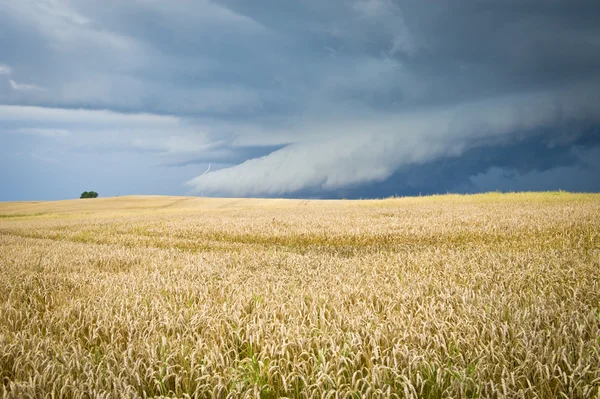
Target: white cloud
94, 129
42, 132
5, 69
362, 151
98, 117
170, 137
61, 10
24, 87
67, 29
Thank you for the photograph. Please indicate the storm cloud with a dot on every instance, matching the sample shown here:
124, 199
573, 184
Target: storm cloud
361, 98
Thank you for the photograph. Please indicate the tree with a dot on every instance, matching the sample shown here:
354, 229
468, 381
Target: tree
89, 194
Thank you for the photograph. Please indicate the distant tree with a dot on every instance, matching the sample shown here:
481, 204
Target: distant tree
89, 194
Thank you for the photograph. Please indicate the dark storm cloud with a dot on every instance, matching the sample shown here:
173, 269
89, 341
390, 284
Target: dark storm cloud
341, 98
516, 161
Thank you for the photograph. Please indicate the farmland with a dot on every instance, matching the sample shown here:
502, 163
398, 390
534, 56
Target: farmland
491, 295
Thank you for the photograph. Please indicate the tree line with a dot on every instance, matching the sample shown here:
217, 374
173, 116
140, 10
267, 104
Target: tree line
89, 194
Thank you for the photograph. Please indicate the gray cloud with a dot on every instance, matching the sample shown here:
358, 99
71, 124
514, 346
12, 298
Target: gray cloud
362, 152
299, 97
5, 69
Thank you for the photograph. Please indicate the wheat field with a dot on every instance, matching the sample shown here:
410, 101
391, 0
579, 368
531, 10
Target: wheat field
492, 295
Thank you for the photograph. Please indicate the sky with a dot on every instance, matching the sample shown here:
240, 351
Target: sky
307, 99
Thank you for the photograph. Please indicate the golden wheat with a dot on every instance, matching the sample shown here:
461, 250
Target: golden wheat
448, 296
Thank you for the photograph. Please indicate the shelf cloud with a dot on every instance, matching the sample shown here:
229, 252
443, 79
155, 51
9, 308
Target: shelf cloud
335, 99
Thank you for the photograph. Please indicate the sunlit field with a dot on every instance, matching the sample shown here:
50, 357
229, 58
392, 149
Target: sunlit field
494, 295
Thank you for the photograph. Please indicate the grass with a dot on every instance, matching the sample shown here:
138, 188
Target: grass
492, 295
